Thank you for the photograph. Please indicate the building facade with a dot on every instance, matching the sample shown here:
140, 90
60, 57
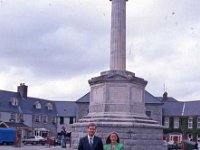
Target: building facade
181, 120
66, 115
37, 115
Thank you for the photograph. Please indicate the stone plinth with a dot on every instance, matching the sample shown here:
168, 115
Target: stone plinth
117, 104
134, 135
117, 92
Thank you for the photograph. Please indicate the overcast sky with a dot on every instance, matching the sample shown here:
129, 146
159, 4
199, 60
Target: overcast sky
56, 46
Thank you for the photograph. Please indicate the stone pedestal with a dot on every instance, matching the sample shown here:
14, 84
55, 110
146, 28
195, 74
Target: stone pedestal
133, 135
117, 104
117, 92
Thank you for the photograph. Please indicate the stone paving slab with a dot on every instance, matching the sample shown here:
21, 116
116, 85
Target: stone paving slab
30, 147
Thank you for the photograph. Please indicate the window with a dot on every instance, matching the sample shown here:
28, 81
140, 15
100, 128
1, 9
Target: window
54, 120
198, 137
175, 138
14, 101
38, 105
176, 122
45, 119
148, 113
198, 122
166, 122
13, 117
71, 120
190, 122
74, 119
20, 117
37, 118
61, 120
190, 137
49, 106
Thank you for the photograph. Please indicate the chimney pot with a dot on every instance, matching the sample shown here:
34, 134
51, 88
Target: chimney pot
23, 90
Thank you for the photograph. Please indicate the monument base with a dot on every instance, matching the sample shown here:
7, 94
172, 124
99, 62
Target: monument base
117, 105
135, 133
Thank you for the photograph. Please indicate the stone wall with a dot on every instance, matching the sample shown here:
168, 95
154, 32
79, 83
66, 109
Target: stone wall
49, 125
28, 119
156, 112
5, 116
82, 110
134, 138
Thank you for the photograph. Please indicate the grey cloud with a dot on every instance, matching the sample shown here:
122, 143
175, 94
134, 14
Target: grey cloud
52, 44
61, 39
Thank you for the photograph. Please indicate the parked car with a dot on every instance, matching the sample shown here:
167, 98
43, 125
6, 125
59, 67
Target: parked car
35, 140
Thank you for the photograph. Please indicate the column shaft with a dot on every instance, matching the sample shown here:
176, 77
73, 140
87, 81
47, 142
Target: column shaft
118, 35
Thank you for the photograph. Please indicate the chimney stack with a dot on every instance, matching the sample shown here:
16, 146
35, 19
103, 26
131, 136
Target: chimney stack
23, 90
165, 97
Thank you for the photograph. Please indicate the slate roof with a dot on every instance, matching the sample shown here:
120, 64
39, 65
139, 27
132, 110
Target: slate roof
169, 99
179, 108
150, 99
5, 98
25, 105
192, 108
84, 99
66, 108
16, 124
29, 103
173, 108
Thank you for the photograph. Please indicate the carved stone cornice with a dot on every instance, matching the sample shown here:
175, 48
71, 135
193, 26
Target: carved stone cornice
117, 76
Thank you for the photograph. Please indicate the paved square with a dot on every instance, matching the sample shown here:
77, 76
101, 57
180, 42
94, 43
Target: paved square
33, 147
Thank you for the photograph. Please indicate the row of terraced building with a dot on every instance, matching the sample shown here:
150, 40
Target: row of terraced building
38, 116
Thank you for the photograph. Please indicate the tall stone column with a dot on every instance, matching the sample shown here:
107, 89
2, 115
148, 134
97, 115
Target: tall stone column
118, 35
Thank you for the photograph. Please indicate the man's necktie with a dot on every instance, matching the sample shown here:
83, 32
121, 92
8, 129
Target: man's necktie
91, 143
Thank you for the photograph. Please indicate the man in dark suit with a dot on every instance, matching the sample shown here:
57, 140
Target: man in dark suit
90, 142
